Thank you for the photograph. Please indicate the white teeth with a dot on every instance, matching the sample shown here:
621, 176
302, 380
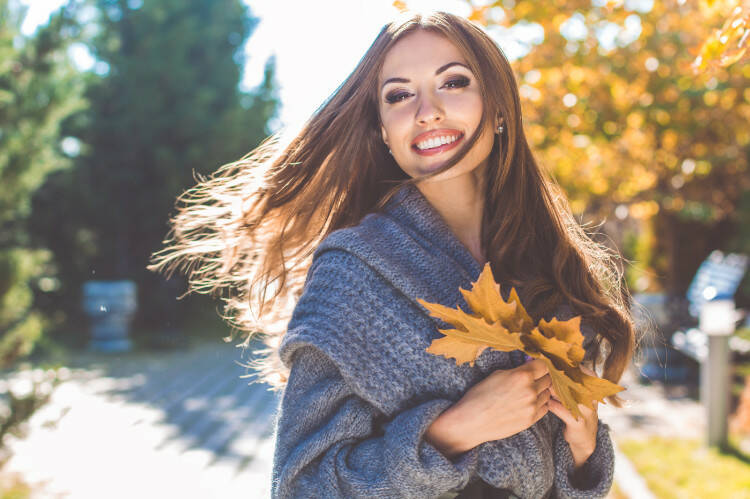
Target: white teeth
437, 141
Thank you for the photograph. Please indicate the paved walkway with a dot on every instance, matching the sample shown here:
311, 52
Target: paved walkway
169, 424
186, 424
654, 410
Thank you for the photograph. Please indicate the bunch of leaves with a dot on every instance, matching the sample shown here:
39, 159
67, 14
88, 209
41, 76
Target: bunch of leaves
506, 326
728, 44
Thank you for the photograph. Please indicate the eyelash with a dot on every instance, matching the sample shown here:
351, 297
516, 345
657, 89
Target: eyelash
459, 82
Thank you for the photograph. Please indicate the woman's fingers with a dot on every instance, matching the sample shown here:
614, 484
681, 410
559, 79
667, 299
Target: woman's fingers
543, 399
559, 410
537, 367
542, 383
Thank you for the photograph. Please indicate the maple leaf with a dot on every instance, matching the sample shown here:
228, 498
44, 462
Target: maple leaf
568, 332
551, 347
472, 334
520, 320
506, 326
484, 299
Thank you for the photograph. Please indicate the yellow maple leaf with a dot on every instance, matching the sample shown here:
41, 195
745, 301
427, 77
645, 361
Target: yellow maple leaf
520, 319
484, 299
566, 331
472, 334
506, 326
551, 347
454, 348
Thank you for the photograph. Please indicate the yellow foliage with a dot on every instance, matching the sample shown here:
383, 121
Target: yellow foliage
630, 129
644, 209
669, 139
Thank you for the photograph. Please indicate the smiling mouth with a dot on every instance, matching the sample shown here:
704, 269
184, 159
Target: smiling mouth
438, 144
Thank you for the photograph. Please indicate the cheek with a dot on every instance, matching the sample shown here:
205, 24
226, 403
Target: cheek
396, 122
464, 106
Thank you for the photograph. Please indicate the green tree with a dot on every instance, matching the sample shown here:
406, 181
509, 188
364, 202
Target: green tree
38, 89
166, 107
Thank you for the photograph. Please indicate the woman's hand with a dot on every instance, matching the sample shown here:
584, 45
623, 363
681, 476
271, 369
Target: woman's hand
580, 434
503, 404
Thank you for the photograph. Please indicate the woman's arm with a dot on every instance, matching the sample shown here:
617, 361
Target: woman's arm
328, 442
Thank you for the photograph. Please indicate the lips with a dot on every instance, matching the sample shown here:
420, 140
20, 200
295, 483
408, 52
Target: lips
436, 141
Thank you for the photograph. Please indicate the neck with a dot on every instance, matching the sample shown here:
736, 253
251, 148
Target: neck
460, 202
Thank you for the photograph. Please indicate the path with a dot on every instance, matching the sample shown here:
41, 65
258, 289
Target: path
169, 424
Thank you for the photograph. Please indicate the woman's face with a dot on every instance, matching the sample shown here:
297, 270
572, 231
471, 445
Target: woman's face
429, 106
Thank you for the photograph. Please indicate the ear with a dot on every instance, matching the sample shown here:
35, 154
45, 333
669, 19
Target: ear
385, 136
499, 121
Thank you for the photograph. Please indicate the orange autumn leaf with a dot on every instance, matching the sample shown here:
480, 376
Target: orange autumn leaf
485, 300
452, 347
568, 332
400, 6
472, 335
550, 347
506, 326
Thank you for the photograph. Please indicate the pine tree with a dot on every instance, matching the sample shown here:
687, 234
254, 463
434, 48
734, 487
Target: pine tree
38, 89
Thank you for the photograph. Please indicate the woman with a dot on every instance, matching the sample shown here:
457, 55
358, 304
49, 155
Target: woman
401, 186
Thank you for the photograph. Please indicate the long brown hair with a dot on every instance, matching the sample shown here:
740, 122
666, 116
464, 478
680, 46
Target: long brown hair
249, 231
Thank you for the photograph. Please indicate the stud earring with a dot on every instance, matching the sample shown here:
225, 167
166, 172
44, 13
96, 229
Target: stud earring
500, 129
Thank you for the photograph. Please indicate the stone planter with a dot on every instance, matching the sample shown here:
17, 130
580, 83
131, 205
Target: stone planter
110, 306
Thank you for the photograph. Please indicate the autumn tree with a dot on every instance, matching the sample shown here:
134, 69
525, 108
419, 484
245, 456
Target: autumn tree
613, 107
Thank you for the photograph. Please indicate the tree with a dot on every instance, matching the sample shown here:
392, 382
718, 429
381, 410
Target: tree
38, 89
613, 107
168, 108
728, 44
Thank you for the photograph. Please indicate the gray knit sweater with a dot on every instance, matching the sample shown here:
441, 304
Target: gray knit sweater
362, 391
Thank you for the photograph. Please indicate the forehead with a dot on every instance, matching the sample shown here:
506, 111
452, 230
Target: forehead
420, 50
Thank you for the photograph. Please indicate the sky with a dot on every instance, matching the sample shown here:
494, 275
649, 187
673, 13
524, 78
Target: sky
315, 51
318, 43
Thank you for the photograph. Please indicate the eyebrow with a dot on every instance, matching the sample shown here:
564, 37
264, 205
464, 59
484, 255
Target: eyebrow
439, 70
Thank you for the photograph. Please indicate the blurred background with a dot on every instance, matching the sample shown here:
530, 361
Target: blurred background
109, 109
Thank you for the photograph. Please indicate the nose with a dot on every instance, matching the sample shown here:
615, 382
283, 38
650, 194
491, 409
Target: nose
430, 110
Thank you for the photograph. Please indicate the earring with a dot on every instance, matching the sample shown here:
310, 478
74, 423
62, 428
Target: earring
500, 129
390, 152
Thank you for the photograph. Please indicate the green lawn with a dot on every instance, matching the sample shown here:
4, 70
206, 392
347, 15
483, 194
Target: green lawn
676, 468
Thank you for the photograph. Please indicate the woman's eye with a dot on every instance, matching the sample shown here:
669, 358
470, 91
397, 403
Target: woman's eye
457, 82
396, 97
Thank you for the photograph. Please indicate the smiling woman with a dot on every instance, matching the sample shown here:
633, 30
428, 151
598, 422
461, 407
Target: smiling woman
413, 175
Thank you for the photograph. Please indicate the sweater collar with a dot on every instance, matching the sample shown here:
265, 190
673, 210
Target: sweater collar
410, 209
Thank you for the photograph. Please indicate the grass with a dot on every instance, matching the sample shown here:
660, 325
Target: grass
675, 468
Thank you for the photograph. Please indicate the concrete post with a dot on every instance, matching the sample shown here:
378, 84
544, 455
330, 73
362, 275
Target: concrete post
717, 390
717, 320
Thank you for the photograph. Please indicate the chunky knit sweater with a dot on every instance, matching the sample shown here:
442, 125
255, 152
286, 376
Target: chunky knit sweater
362, 390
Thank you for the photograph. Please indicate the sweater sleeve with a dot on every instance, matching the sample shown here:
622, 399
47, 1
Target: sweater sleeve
509, 463
595, 477
330, 443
